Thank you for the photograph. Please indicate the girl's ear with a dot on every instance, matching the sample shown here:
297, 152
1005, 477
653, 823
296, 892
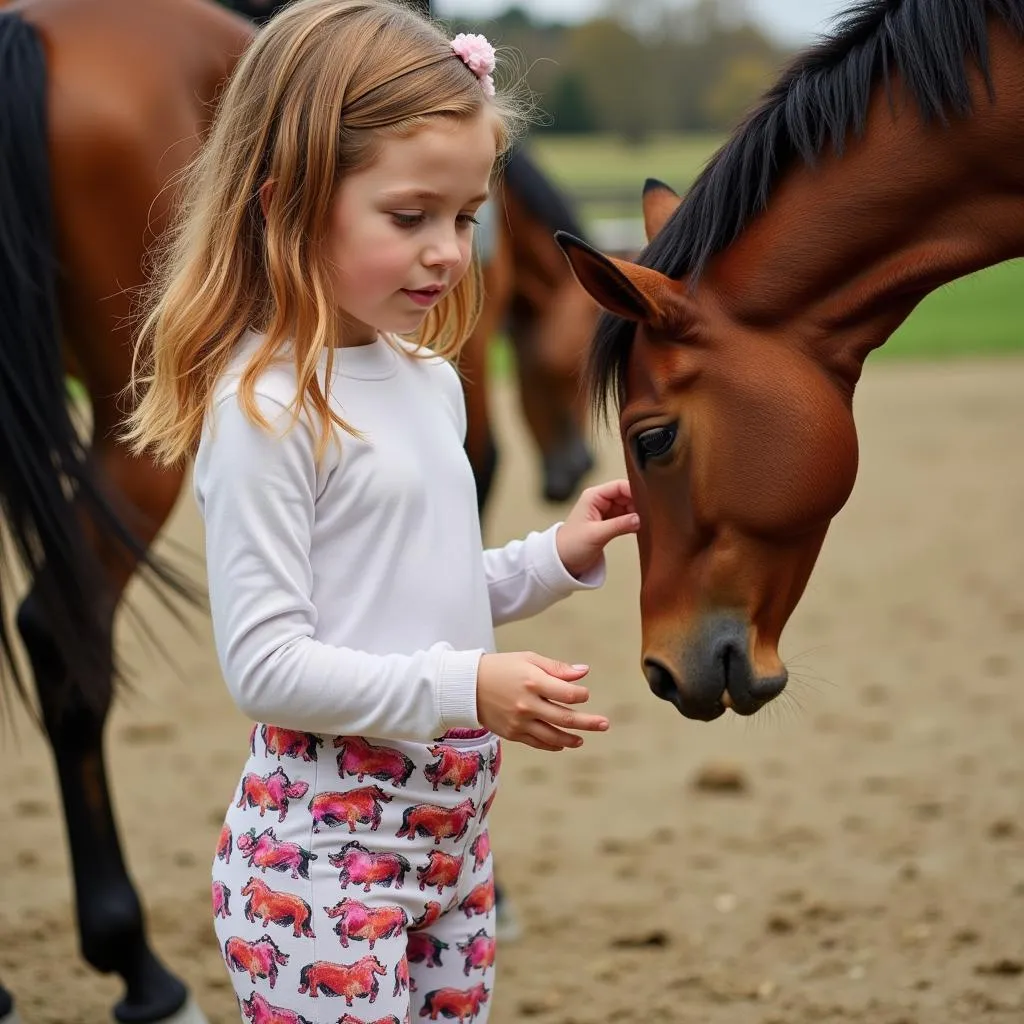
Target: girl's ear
266, 193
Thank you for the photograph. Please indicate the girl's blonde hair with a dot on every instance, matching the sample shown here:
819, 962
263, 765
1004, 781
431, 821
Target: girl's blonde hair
310, 101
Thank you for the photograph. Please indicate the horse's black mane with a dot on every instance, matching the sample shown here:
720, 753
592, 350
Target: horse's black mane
539, 194
819, 100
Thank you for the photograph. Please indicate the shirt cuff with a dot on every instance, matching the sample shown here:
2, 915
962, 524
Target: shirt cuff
544, 560
456, 696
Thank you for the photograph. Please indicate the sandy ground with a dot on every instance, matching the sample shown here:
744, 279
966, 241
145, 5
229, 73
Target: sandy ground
869, 868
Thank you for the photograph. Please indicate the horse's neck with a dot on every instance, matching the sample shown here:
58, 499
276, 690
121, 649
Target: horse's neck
845, 251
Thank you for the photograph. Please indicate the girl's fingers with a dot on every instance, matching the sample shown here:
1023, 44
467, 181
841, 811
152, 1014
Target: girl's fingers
610, 495
558, 669
530, 741
554, 738
623, 508
618, 526
562, 693
613, 490
567, 718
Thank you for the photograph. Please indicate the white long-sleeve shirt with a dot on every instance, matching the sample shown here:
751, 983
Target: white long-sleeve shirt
354, 596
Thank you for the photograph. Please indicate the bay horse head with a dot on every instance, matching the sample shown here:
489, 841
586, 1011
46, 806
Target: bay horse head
732, 348
738, 454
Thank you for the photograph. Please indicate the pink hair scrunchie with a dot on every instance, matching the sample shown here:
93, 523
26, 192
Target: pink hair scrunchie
478, 55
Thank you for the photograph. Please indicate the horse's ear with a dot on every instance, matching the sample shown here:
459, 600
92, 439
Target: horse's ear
659, 203
625, 289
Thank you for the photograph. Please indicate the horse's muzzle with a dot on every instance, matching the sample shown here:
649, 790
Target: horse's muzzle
716, 673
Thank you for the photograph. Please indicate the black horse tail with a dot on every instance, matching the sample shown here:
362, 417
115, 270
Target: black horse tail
50, 493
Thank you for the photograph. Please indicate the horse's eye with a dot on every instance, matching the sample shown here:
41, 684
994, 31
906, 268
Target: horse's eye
653, 443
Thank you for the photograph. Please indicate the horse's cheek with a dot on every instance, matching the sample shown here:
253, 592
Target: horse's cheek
792, 465
827, 465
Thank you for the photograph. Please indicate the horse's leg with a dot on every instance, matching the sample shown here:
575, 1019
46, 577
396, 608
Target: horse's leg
63, 612
110, 917
101, 149
7, 1013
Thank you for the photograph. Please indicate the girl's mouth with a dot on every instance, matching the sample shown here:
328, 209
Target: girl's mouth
423, 296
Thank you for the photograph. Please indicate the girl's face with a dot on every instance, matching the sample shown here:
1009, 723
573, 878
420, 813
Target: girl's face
401, 231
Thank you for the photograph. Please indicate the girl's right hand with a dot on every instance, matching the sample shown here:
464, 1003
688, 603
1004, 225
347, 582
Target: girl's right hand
522, 697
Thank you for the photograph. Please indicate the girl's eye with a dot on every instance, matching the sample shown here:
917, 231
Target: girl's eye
654, 443
407, 220
466, 219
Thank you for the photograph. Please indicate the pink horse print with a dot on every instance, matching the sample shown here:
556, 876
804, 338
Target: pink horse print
453, 767
352, 981
266, 851
259, 1011
221, 900
356, 807
358, 921
487, 805
224, 845
479, 900
437, 822
260, 958
424, 948
462, 734
403, 983
454, 1003
289, 743
281, 908
270, 792
478, 951
359, 758
360, 866
441, 869
431, 914
480, 848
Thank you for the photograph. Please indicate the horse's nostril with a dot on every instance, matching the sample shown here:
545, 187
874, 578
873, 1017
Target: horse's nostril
660, 680
769, 687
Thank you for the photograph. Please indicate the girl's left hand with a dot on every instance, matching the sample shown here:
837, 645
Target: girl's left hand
601, 514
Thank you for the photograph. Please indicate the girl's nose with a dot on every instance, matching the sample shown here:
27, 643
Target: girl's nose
445, 252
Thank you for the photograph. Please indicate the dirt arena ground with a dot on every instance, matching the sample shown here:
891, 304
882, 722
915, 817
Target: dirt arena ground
867, 865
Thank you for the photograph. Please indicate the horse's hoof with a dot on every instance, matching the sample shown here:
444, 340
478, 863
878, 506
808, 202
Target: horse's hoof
188, 1014
565, 468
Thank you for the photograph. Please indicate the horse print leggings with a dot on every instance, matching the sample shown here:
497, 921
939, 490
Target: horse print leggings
353, 883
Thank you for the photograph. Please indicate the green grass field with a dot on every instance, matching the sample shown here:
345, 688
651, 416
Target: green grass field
980, 314
576, 161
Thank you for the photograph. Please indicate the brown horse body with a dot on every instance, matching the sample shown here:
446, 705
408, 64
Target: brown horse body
131, 89
103, 104
741, 335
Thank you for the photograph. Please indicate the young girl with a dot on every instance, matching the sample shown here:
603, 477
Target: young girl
317, 284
